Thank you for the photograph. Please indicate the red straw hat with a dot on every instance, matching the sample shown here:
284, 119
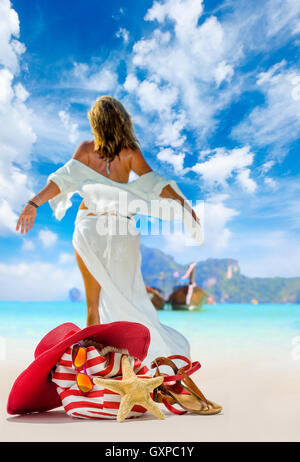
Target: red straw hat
33, 391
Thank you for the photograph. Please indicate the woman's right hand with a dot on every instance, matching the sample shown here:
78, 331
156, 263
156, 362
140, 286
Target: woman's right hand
26, 218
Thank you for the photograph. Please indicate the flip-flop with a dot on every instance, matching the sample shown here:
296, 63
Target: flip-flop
181, 389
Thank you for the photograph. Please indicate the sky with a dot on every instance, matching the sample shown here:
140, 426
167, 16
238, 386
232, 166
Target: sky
213, 89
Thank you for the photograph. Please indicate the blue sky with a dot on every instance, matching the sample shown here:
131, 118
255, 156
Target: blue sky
213, 89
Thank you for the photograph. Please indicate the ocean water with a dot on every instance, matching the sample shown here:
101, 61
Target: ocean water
225, 327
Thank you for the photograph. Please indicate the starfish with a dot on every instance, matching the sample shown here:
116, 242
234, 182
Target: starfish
133, 389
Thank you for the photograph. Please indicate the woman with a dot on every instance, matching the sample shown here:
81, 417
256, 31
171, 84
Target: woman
110, 263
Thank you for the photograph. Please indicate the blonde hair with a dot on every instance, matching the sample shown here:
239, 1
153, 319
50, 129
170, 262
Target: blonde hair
112, 127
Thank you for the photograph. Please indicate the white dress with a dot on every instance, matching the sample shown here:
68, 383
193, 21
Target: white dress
114, 258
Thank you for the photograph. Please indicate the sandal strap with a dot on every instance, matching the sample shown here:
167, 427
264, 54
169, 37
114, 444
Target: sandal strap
179, 376
192, 387
167, 361
189, 369
164, 361
182, 358
172, 408
161, 395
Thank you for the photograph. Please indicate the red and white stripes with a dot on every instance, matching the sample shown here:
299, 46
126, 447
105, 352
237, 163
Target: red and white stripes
100, 403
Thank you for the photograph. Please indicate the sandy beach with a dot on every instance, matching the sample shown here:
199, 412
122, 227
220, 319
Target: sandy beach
258, 388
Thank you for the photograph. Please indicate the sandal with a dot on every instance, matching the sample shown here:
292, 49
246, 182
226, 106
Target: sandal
181, 389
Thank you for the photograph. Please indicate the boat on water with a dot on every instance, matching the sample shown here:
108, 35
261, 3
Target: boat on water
188, 297
156, 297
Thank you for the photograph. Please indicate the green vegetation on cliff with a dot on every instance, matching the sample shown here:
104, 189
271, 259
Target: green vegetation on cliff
220, 278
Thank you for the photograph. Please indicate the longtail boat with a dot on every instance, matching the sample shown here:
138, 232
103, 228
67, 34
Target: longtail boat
189, 297
156, 297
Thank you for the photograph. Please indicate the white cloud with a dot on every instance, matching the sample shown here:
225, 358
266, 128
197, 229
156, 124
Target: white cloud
14, 185
215, 221
243, 177
184, 13
282, 18
279, 207
217, 215
199, 57
221, 166
48, 238
15, 118
223, 72
270, 253
65, 258
267, 166
131, 83
6, 91
28, 245
71, 127
16, 133
203, 56
176, 160
176, 245
123, 33
272, 250
270, 182
203, 60
8, 219
202, 75
38, 281
87, 78
170, 132
261, 26
277, 121
155, 98
21, 92
53, 144
10, 48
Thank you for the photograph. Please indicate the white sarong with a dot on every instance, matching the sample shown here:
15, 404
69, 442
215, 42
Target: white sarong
114, 259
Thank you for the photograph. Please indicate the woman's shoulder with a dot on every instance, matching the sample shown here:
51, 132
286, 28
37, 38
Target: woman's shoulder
85, 152
138, 162
82, 152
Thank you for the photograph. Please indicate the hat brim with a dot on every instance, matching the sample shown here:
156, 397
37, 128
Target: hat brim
33, 390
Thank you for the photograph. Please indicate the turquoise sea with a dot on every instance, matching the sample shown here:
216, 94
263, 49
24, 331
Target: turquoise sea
225, 327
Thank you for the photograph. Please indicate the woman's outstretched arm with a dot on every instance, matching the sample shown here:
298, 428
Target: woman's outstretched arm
169, 193
28, 214
140, 166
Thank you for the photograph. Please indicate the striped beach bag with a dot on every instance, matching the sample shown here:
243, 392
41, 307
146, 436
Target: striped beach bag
99, 403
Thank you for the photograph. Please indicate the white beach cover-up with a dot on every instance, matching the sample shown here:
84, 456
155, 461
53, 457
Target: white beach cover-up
114, 258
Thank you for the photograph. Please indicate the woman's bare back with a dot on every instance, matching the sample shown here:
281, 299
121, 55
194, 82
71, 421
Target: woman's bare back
119, 167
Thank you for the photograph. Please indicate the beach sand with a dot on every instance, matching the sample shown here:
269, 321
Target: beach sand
258, 389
